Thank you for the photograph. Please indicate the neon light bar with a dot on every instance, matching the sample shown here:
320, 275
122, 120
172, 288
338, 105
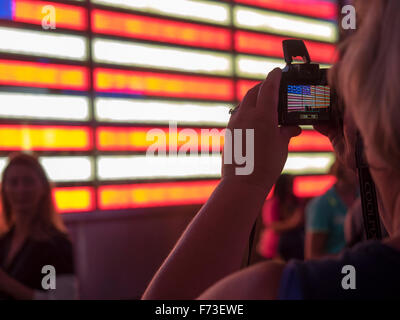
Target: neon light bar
269, 45
39, 43
159, 84
140, 139
313, 8
74, 199
256, 67
161, 57
195, 10
280, 23
161, 112
161, 30
67, 169
155, 194
242, 86
35, 74
43, 106
312, 186
67, 16
40, 138
306, 163
158, 167
310, 140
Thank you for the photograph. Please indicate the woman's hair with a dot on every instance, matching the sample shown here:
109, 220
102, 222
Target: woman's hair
284, 188
46, 221
367, 76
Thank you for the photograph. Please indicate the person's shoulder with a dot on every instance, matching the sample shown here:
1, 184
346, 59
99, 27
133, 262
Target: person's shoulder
375, 267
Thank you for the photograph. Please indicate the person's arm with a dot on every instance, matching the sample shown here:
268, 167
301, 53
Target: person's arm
14, 288
212, 246
259, 282
315, 245
295, 220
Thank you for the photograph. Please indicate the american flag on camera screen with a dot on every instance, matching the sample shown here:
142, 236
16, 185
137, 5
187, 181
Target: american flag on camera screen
308, 98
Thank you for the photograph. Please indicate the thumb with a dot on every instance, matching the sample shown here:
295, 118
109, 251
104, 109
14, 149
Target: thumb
290, 131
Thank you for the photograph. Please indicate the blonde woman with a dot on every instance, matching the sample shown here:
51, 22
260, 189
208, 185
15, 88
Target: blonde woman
32, 236
205, 262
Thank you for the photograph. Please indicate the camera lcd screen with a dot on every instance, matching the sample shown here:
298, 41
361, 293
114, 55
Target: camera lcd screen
308, 98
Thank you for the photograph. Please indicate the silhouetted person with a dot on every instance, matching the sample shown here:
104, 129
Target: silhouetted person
32, 235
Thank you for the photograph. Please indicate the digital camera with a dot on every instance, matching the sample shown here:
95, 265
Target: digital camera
304, 95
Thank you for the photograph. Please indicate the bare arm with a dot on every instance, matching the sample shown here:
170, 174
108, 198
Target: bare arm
288, 224
212, 246
260, 281
315, 245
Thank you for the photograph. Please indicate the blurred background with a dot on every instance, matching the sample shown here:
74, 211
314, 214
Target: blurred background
83, 96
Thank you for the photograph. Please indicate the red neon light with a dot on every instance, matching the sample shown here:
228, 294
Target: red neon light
312, 186
310, 140
137, 139
36, 74
161, 84
74, 199
155, 194
67, 16
45, 138
242, 86
314, 8
155, 29
269, 45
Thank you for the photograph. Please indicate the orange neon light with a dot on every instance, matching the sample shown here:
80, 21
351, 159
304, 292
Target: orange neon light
312, 186
269, 45
310, 140
314, 8
155, 194
138, 139
242, 86
40, 138
161, 84
67, 16
74, 199
35, 74
155, 29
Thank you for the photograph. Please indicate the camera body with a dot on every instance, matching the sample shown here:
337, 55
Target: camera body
304, 95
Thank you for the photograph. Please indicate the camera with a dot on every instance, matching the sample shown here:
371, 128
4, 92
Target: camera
304, 95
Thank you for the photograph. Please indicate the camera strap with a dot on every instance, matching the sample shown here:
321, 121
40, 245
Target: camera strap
368, 194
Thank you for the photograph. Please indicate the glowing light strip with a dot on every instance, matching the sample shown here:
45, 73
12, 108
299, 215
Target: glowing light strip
157, 167
312, 186
161, 57
67, 169
39, 43
269, 45
67, 16
40, 138
158, 84
74, 199
140, 139
279, 23
116, 197
310, 140
242, 86
195, 10
306, 163
43, 106
313, 8
161, 112
35, 74
256, 67
161, 30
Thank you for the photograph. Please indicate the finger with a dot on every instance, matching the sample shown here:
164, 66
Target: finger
290, 131
250, 99
268, 95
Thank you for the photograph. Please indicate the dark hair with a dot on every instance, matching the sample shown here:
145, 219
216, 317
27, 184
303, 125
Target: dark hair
284, 188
